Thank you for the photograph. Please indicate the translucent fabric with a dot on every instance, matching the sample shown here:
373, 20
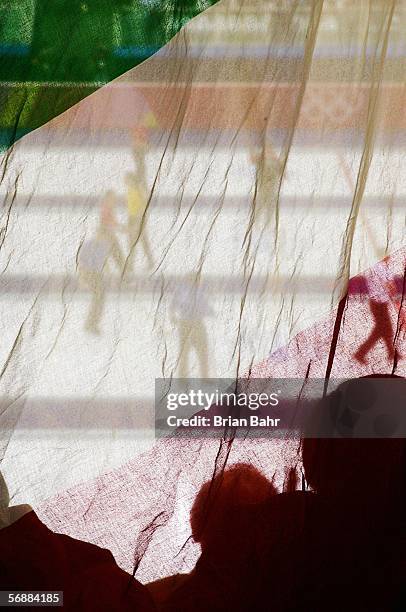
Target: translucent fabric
233, 206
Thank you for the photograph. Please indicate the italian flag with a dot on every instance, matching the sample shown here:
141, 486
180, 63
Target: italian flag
231, 206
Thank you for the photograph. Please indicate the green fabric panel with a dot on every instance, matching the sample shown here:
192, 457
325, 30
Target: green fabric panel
53, 53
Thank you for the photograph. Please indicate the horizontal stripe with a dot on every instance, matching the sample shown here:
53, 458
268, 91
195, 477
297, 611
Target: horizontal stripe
125, 82
118, 139
265, 50
222, 285
54, 203
14, 49
161, 68
330, 105
135, 51
83, 414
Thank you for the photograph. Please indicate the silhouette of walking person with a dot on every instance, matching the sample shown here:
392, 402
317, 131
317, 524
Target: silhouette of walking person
379, 303
382, 330
136, 203
189, 308
93, 258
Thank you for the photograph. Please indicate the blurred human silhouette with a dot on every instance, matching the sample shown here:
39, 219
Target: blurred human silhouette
94, 257
33, 558
189, 309
382, 331
269, 166
136, 205
221, 522
380, 301
137, 184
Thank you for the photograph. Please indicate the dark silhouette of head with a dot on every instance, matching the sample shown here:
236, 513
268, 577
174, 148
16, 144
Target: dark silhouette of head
348, 466
220, 512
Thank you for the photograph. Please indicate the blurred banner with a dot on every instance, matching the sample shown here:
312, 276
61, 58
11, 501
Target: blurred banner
233, 207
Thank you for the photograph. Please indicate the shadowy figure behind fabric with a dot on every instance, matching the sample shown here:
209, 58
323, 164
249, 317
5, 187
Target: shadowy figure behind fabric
338, 545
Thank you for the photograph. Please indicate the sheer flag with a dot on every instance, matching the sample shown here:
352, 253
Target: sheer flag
232, 206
